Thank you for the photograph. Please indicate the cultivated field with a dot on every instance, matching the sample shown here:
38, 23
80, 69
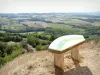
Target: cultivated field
14, 27
96, 23
36, 24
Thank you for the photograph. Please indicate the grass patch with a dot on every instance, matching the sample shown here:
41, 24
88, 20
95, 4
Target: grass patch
14, 54
60, 26
94, 37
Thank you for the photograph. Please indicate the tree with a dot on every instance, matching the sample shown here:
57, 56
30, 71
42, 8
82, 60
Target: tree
52, 37
32, 40
2, 49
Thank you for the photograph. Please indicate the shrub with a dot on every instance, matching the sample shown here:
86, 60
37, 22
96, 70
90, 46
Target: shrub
1, 62
32, 40
40, 47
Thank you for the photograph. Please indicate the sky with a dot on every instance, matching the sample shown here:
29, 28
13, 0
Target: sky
46, 6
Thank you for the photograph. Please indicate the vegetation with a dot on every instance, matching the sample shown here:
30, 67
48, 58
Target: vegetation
13, 29
10, 37
91, 20
32, 40
8, 52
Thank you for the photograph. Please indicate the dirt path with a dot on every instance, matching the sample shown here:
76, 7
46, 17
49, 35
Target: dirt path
42, 63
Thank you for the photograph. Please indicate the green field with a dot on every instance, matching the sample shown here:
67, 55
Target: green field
4, 19
2, 31
67, 28
76, 22
14, 25
61, 26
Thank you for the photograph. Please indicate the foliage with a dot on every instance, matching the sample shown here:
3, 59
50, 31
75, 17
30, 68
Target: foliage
2, 49
44, 42
8, 52
40, 47
1, 61
10, 37
52, 37
91, 20
14, 54
32, 40
67, 25
93, 37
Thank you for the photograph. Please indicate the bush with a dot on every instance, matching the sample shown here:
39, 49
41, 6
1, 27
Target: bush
23, 44
1, 62
9, 52
2, 49
9, 49
44, 42
11, 37
96, 38
32, 40
52, 37
17, 50
40, 47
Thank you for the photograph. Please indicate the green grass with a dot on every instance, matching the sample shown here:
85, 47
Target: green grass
14, 54
94, 37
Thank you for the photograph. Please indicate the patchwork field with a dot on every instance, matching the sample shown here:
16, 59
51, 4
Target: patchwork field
96, 23
36, 24
59, 26
15, 27
76, 22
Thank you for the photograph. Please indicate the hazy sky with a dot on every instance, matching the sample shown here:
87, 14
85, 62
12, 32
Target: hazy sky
44, 6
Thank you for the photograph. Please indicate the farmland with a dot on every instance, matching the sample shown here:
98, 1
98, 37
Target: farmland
53, 20
14, 27
37, 24
67, 28
96, 23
